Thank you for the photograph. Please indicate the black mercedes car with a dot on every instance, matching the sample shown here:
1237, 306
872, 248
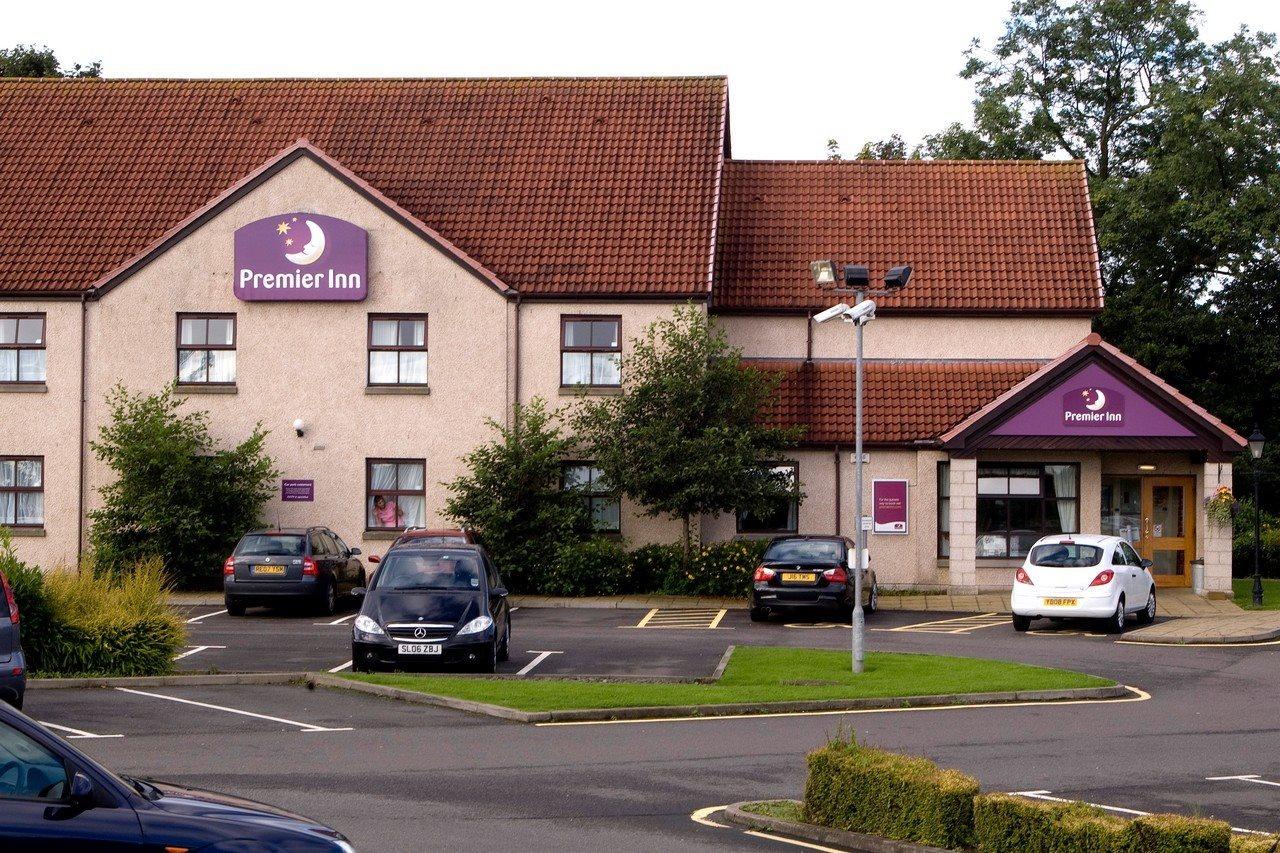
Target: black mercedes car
799, 573
430, 606
310, 565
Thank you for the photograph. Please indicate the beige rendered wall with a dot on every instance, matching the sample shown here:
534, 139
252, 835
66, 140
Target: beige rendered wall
308, 359
908, 337
45, 421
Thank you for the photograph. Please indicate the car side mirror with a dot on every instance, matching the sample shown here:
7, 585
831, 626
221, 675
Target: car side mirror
498, 592
354, 552
1146, 564
374, 558
82, 790
358, 592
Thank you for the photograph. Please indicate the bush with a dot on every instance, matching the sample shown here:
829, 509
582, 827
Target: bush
605, 567
1167, 833
27, 583
593, 567
651, 565
1255, 844
1010, 824
859, 789
722, 568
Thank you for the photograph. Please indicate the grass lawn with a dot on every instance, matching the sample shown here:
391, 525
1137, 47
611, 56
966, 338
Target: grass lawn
1243, 590
780, 809
759, 674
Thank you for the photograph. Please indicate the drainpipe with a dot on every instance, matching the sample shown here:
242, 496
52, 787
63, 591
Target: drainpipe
84, 397
808, 339
836, 459
516, 344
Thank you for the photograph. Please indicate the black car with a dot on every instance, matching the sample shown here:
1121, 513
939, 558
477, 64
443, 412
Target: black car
809, 573
309, 565
55, 798
13, 665
432, 605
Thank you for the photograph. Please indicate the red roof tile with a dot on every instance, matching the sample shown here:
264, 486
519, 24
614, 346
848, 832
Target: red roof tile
574, 186
983, 237
903, 401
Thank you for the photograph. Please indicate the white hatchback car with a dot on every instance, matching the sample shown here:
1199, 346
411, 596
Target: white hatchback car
1079, 576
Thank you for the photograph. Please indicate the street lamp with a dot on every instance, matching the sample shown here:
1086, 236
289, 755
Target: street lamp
857, 279
1256, 443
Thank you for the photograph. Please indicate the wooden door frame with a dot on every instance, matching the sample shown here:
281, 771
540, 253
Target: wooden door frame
1188, 483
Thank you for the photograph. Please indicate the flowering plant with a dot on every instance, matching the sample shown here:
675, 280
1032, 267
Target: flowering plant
1221, 505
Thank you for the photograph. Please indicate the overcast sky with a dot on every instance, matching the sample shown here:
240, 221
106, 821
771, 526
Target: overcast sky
800, 71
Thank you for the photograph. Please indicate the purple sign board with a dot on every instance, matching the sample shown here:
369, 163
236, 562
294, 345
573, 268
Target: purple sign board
1092, 401
298, 490
889, 506
300, 257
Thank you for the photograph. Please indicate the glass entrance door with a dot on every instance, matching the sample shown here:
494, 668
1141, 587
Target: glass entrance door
1157, 516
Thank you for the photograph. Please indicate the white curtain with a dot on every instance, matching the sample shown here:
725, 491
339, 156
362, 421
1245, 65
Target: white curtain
1064, 486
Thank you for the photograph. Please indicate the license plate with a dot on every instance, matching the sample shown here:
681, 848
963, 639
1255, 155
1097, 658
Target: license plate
798, 577
421, 649
268, 570
1061, 602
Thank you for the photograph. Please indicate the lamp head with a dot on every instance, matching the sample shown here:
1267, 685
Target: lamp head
823, 272
856, 276
897, 278
298, 426
1257, 442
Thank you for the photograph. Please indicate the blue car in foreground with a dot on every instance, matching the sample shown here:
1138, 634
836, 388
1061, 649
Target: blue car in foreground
54, 798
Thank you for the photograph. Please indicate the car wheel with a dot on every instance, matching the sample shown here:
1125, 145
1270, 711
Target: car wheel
873, 600
1148, 614
504, 651
16, 701
328, 603
1021, 623
759, 614
356, 666
1115, 624
234, 608
489, 663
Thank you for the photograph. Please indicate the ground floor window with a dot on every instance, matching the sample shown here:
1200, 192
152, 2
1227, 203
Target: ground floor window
944, 509
1018, 503
395, 494
783, 515
22, 491
604, 508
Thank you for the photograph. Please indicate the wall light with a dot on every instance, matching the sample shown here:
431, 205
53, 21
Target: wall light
297, 426
1146, 467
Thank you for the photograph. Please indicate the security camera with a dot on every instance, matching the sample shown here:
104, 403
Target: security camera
862, 313
831, 313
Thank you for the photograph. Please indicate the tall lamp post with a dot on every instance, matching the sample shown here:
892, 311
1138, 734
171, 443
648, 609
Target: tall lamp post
857, 280
1256, 443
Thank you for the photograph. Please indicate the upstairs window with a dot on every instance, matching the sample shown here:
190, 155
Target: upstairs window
398, 349
591, 351
22, 348
206, 349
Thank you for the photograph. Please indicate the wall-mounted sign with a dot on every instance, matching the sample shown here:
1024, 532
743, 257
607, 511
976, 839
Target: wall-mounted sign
889, 506
298, 490
1093, 406
298, 257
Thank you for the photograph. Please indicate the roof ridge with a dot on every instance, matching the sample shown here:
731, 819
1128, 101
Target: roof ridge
927, 161
100, 81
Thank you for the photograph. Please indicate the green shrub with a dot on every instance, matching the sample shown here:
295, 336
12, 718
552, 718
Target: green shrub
859, 789
27, 583
1167, 833
650, 566
592, 567
721, 568
1010, 824
1255, 844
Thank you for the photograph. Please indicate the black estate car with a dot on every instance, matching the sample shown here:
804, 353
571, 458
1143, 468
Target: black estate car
309, 565
432, 605
809, 573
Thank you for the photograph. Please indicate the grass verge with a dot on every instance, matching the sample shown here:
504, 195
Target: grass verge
1242, 589
759, 674
778, 809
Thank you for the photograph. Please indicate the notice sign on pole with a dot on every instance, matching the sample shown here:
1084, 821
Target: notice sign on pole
889, 506
297, 490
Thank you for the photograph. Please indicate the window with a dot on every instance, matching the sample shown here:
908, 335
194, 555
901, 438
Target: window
1019, 503
206, 349
944, 509
28, 770
395, 494
783, 515
22, 348
603, 506
22, 491
591, 351
397, 349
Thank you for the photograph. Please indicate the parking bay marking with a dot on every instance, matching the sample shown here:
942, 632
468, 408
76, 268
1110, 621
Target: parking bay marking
341, 667
339, 620
959, 625
195, 650
1253, 778
702, 816
541, 656
1045, 795
306, 727
74, 734
705, 619
195, 619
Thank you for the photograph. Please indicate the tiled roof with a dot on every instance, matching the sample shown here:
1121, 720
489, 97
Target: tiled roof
982, 237
575, 186
903, 401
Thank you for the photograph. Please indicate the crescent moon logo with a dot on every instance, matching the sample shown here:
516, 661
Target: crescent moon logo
1097, 403
313, 250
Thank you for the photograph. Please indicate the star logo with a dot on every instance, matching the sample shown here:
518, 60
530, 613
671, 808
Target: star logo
288, 241
282, 228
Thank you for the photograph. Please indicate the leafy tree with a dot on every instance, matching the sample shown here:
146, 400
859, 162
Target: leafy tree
176, 495
893, 148
833, 149
512, 497
27, 60
684, 436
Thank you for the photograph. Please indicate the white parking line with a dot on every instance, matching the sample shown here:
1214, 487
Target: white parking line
205, 616
1253, 778
306, 727
541, 656
195, 650
339, 620
74, 733
958, 625
702, 816
346, 665
1044, 795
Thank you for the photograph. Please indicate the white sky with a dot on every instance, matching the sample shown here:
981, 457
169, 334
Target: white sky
800, 71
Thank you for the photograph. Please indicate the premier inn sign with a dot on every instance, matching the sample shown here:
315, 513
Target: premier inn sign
300, 257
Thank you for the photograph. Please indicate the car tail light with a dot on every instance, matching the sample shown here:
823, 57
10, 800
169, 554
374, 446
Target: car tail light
1104, 577
764, 574
229, 567
1023, 577
309, 569
13, 602
836, 575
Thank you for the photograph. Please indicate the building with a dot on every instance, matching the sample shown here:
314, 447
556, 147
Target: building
388, 263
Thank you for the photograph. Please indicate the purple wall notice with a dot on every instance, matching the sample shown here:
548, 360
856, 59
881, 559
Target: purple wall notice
1092, 402
299, 257
889, 506
297, 490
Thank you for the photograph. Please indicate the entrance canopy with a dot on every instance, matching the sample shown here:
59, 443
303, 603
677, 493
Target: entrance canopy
1093, 397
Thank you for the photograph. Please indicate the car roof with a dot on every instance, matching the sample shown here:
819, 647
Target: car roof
1079, 538
791, 537
413, 548
285, 531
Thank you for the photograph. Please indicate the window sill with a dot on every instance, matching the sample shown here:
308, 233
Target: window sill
206, 389
383, 534
590, 390
36, 532
397, 389
23, 388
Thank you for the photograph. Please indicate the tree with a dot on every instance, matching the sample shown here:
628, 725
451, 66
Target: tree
893, 148
684, 437
27, 60
833, 149
511, 495
176, 495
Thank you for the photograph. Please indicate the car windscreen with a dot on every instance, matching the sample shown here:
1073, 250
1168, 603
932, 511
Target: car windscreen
436, 570
270, 545
805, 551
1066, 555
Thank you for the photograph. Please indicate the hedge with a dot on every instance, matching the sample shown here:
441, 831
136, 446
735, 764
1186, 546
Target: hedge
603, 566
871, 791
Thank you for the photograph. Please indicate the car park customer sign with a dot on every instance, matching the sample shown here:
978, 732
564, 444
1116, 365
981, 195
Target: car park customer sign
889, 506
298, 490
298, 257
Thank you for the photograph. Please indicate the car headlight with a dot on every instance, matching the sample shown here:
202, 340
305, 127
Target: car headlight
365, 625
476, 625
